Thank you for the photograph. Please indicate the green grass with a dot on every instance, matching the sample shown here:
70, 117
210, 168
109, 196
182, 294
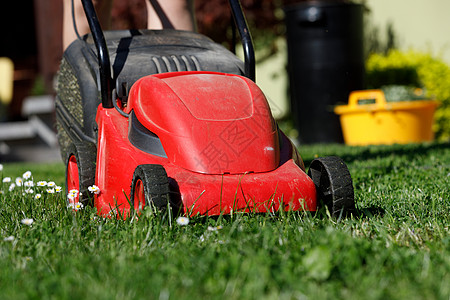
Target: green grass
398, 247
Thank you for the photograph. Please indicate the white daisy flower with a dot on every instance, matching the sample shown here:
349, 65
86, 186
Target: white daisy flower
51, 191
78, 206
51, 184
37, 196
75, 206
182, 221
19, 181
12, 187
28, 222
28, 184
58, 189
42, 183
7, 180
26, 175
75, 192
94, 189
72, 195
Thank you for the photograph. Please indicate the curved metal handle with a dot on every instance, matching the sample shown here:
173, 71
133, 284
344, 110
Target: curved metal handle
102, 54
246, 38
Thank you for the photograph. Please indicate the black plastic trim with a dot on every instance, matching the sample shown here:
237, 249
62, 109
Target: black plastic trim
144, 139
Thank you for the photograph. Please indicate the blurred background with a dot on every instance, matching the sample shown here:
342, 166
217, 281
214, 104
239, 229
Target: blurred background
310, 56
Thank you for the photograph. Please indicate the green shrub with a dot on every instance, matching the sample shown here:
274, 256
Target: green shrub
417, 69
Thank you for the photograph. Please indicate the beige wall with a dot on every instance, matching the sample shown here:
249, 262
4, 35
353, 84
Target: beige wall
422, 25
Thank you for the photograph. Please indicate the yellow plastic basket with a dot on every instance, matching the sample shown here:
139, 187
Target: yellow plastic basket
385, 123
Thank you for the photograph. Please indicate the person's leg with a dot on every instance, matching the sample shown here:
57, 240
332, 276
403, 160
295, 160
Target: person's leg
176, 14
103, 8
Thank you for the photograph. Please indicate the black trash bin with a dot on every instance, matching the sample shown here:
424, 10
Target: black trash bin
325, 63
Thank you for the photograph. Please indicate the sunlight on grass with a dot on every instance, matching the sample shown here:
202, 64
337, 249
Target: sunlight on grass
397, 247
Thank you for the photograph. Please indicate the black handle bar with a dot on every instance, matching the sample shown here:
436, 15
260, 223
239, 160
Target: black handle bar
246, 38
105, 64
102, 53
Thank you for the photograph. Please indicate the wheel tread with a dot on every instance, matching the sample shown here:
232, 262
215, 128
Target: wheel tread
86, 155
339, 195
156, 185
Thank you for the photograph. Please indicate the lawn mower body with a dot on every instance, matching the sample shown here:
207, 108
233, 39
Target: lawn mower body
215, 137
180, 121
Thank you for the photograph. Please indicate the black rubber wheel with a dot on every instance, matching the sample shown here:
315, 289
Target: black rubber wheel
80, 170
334, 185
150, 187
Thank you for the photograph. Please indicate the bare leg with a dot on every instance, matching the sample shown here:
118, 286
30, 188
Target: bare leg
176, 14
103, 9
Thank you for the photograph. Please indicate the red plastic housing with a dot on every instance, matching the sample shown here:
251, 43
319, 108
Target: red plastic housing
223, 151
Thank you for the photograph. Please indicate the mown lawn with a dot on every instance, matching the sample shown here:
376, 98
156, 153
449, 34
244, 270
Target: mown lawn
397, 247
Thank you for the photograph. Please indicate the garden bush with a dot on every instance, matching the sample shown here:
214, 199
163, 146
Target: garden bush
416, 69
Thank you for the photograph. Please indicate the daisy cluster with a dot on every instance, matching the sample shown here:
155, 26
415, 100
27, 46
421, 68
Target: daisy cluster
27, 185
38, 189
73, 197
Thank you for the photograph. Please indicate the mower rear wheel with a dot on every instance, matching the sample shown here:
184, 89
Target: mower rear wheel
150, 187
80, 171
334, 185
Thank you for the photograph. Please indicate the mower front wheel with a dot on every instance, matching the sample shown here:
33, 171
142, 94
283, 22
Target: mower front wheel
80, 171
150, 187
334, 185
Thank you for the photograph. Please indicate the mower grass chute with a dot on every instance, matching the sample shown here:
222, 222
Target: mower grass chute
182, 123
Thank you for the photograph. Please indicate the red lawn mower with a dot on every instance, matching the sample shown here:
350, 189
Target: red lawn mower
177, 120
